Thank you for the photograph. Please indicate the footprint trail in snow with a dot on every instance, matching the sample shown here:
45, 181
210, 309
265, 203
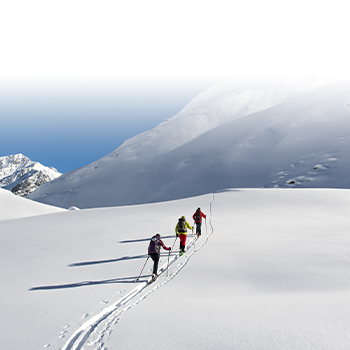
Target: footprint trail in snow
96, 330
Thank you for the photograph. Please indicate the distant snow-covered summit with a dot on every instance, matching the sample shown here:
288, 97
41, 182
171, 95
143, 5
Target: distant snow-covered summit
22, 176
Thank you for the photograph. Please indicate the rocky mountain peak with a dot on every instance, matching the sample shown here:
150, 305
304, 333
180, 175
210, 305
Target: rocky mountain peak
23, 176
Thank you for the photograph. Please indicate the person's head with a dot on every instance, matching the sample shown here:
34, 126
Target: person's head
157, 235
199, 209
183, 218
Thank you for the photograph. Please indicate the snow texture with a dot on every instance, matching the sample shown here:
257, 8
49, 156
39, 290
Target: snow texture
13, 207
235, 134
270, 271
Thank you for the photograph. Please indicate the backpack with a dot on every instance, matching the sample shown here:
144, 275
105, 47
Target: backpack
154, 246
182, 225
198, 215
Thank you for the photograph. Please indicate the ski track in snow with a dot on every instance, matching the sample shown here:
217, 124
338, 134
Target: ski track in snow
95, 331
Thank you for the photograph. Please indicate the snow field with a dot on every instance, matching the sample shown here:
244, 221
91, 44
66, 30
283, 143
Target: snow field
14, 207
61, 270
269, 272
274, 275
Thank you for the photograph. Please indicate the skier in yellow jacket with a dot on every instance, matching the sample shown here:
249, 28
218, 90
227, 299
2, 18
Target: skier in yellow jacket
181, 232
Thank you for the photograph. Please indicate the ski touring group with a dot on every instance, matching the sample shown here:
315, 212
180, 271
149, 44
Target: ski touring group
156, 243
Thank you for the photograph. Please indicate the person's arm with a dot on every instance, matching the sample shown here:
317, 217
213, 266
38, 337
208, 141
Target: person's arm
189, 226
163, 245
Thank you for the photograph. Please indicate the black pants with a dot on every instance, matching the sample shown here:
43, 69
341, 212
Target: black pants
198, 228
155, 257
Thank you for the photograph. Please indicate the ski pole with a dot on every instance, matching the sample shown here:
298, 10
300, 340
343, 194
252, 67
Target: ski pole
167, 269
195, 235
174, 243
206, 227
142, 269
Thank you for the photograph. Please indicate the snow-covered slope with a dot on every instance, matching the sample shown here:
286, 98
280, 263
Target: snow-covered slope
270, 272
14, 207
271, 134
23, 176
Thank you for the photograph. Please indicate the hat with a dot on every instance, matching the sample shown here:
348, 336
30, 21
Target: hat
157, 234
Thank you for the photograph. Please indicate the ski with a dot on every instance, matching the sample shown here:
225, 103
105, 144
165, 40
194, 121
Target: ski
155, 278
151, 280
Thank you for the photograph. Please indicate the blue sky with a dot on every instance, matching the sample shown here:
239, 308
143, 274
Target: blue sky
69, 126
79, 77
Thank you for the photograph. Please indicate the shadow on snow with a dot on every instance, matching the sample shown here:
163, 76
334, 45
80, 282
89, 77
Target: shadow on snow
97, 262
92, 283
144, 239
87, 263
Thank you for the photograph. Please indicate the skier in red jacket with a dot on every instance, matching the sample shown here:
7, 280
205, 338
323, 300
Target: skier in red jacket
197, 217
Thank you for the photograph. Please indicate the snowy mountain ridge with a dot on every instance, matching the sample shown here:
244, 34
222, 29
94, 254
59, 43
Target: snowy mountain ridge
225, 101
23, 176
274, 134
